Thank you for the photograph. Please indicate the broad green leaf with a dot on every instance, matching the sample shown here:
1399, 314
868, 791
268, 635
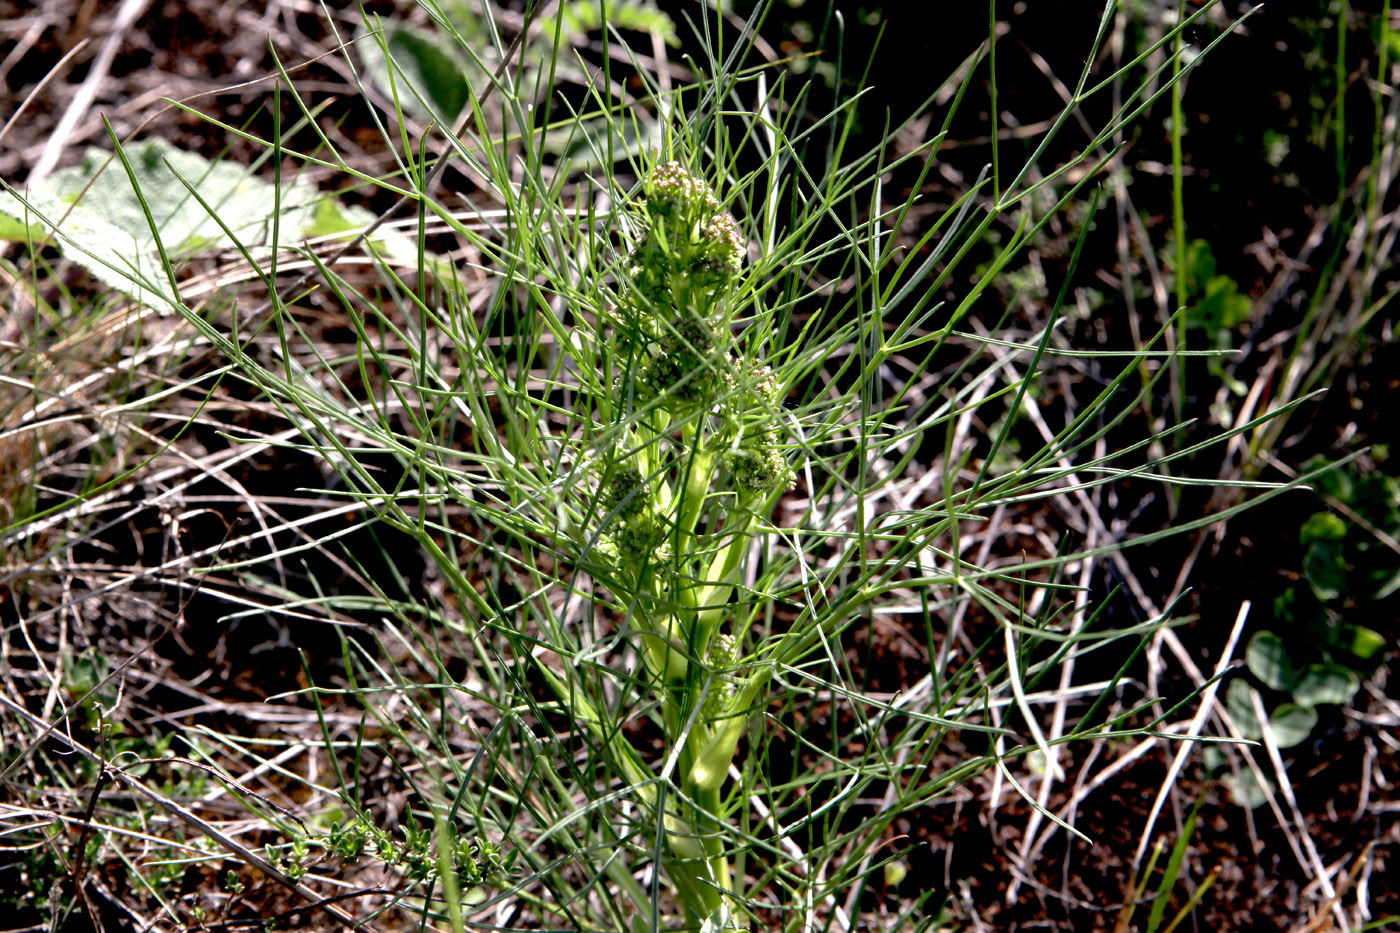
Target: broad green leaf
430, 74
1291, 724
105, 228
1269, 661
1325, 568
1246, 792
1324, 683
14, 230
331, 218
334, 220
101, 224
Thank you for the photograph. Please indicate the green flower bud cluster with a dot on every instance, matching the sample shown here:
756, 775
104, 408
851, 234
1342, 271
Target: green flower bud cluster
688, 253
722, 655
756, 460
757, 469
749, 387
478, 860
641, 542
723, 256
637, 533
683, 361
626, 493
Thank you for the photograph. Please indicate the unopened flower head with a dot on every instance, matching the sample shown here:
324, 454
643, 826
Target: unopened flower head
723, 652
718, 256
642, 541
724, 242
723, 655
759, 469
626, 494
682, 365
751, 387
673, 192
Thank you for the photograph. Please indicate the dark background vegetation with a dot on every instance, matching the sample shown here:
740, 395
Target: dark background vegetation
1264, 167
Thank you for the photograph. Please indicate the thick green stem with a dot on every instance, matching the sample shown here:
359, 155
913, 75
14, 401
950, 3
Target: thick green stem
685, 263
709, 801
691, 851
711, 765
722, 575
699, 466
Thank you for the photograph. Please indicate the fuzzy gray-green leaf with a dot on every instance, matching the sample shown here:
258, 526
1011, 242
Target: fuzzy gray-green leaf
1268, 660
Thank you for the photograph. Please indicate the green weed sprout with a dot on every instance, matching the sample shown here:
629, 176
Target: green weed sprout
700, 460
586, 431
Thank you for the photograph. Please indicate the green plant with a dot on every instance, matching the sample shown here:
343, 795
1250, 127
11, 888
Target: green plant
1215, 306
1172, 873
700, 462
637, 395
1318, 646
668, 457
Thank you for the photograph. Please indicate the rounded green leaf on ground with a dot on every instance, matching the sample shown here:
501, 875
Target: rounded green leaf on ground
1268, 659
1325, 683
1291, 724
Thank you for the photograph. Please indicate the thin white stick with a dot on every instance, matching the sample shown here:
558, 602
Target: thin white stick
1281, 776
1184, 750
127, 15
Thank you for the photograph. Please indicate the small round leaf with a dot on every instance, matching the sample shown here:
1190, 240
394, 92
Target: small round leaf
1322, 526
1292, 724
1269, 661
1366, 642
1322, 683
1246, 791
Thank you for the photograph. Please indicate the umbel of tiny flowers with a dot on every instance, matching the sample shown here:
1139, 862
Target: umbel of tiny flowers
755, 457
638, 535
688, 253
681, 361
624, 494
